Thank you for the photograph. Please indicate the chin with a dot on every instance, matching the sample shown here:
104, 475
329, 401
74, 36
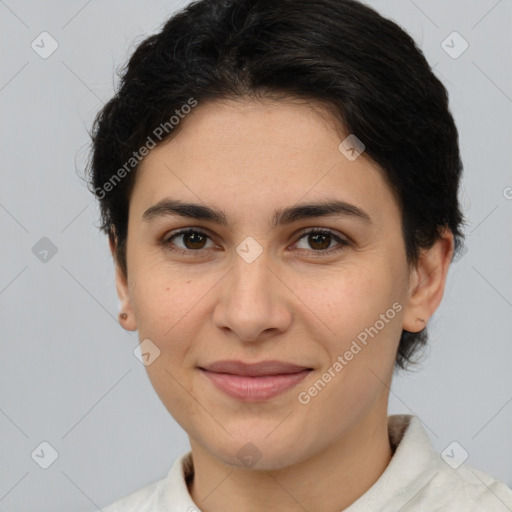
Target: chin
260, 456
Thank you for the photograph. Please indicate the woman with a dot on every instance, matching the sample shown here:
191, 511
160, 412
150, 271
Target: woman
279, 181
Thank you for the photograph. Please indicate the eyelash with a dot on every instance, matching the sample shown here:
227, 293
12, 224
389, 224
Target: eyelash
189, 252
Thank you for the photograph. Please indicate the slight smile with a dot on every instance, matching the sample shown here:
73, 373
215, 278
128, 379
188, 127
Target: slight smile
254, 382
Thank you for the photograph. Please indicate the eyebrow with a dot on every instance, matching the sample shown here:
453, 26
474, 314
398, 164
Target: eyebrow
282, 216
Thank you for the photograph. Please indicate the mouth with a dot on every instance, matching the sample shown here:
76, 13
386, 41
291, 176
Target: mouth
254, 382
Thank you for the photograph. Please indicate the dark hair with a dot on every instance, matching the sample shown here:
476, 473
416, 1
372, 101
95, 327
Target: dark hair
340, 53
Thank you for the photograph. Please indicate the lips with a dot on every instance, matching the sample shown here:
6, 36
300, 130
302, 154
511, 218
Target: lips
254, 382
254, 369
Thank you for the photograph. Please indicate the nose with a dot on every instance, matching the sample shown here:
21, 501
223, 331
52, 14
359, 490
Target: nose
253, 302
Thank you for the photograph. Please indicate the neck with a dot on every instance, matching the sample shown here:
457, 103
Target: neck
328, 482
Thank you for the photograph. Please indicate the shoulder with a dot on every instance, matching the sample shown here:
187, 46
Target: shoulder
418, 478
162, 495
142, 500
469, 487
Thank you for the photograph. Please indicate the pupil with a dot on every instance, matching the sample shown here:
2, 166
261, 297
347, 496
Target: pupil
321, 239
323, 236
195, 238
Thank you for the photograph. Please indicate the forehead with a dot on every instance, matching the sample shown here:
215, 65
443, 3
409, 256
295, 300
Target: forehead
256, 155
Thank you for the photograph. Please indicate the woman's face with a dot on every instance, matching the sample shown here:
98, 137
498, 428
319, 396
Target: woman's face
251, 291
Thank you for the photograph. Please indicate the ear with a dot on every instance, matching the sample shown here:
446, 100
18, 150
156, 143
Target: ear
129, 322
427, 281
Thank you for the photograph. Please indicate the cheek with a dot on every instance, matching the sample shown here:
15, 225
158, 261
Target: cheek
166, 308
363, 311
349, 298
165, 300
366, 320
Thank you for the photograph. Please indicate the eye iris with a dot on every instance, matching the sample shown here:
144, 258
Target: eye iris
320, 237
194, 237
196, 240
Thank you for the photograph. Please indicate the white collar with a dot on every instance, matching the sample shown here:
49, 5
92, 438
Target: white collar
416, 479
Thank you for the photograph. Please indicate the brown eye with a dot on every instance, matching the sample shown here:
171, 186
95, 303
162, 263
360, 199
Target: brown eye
319, 240
192, 240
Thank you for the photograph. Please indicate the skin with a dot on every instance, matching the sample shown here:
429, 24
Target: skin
249, 158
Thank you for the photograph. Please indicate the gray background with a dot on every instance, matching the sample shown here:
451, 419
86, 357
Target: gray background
68, 375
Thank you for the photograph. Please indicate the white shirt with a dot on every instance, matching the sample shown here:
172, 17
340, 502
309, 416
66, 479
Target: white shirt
417, 479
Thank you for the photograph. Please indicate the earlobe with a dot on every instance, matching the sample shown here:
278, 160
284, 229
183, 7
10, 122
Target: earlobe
126, 315
427, 282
